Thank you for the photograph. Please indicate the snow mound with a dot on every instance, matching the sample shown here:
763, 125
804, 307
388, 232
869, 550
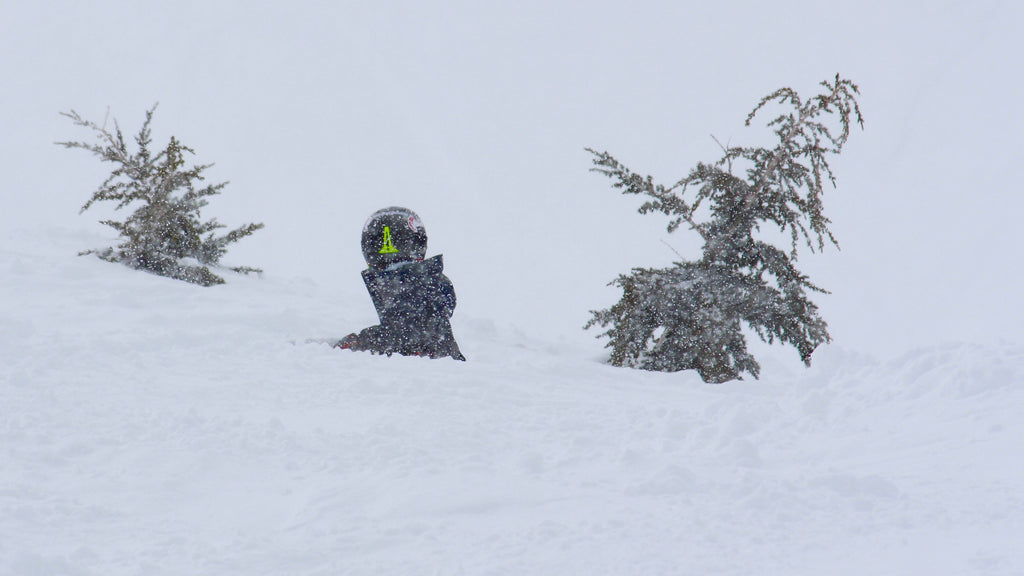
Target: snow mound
150, 426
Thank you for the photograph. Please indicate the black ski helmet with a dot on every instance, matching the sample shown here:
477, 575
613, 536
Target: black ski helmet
391, 235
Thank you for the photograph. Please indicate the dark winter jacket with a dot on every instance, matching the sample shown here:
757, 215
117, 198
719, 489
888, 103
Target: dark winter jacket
414, 301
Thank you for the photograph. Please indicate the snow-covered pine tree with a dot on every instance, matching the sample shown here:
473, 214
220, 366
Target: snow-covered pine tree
690, 316
165, 234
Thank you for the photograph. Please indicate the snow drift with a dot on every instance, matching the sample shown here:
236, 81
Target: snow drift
150, 426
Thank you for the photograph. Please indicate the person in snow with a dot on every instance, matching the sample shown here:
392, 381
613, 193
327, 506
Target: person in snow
413, 297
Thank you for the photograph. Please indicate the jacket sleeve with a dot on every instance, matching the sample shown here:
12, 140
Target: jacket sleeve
445, 296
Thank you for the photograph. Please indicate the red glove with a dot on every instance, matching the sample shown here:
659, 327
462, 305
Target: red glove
350, 342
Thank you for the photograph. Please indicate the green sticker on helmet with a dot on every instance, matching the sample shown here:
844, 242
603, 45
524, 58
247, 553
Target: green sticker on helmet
389, 246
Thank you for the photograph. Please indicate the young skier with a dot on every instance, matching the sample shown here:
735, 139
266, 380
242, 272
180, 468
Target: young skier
413, 297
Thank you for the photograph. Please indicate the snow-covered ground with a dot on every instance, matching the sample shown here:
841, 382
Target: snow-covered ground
151, 427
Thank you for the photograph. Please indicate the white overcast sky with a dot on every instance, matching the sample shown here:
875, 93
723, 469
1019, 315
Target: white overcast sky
476, 114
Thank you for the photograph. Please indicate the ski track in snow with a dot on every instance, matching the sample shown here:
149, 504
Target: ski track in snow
152, 427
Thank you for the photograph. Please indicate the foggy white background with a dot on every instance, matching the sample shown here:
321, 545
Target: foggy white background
476, 116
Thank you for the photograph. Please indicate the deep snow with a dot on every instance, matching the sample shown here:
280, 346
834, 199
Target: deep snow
152, 427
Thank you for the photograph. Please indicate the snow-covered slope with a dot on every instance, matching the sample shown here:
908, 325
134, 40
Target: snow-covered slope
150, 427
153, 427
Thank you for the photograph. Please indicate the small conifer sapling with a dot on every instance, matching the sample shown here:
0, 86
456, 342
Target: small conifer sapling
691, 315
165, 233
